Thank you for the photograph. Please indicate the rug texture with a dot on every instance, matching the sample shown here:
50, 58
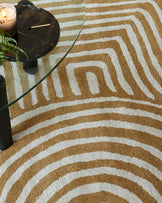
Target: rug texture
91, 132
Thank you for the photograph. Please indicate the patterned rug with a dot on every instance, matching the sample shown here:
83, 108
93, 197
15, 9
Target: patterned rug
95, 134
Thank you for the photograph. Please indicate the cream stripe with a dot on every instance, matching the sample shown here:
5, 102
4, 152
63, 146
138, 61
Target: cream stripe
68, 178
68, 15
32, 82
71, 23
29, 114
57, 83
2, 70
44, 82
92, 83
17, 82
45, 89
68, 33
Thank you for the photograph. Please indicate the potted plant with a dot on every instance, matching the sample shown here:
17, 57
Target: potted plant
9, 47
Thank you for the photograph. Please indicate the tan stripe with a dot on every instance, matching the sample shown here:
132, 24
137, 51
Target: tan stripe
69, 19
15, 111
66, 39
72, 28
67, 11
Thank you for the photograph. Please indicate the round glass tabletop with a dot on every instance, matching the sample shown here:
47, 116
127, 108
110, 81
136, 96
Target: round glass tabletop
70, 15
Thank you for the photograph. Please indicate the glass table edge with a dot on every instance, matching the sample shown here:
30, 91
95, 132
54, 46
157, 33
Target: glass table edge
11, 103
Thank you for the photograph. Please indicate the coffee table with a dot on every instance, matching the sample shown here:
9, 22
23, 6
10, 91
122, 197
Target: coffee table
70, 16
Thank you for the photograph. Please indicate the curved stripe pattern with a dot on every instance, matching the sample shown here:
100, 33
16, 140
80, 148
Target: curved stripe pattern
68, 160
92, 130
89, 172
91, 188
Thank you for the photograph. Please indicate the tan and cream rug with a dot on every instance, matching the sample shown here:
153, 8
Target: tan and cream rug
94, 134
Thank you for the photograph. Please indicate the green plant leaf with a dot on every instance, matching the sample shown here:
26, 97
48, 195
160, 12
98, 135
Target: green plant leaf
9, 45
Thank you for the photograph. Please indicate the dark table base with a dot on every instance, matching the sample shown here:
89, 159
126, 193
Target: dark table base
30, 67
5, 125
